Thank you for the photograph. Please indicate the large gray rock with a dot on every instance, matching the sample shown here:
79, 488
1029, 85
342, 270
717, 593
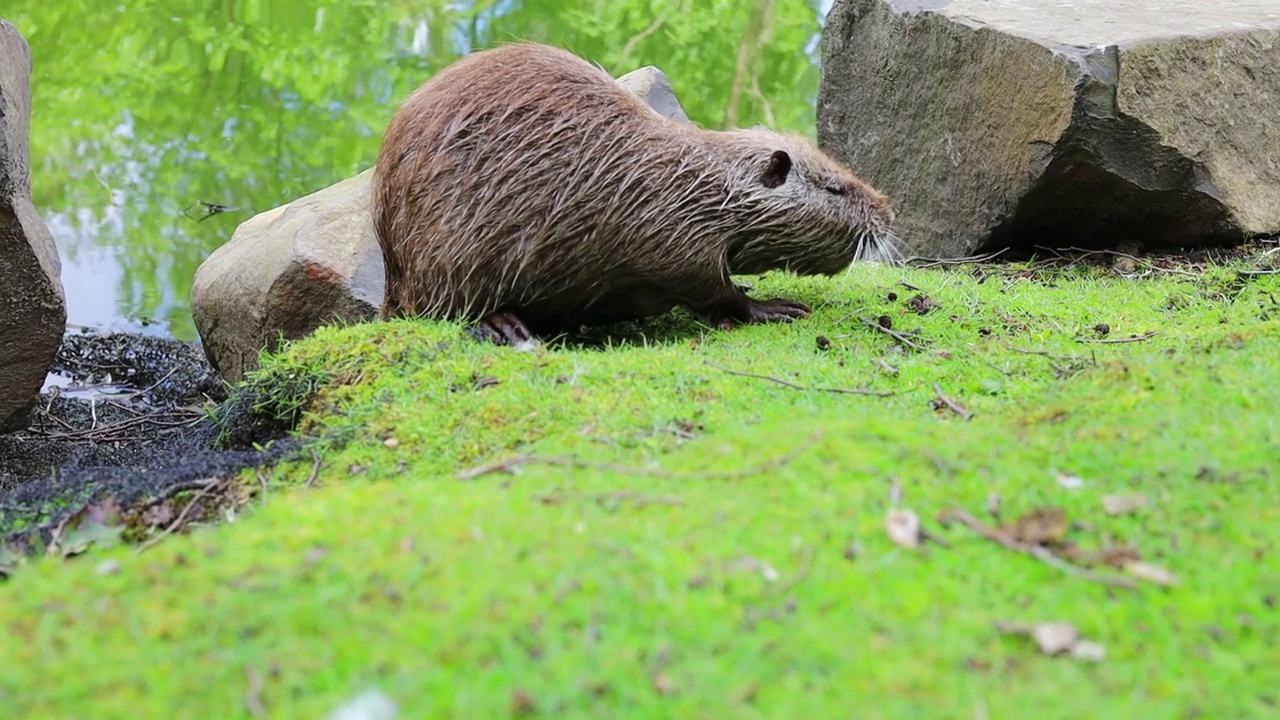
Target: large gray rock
316, 260
1009, 122
286, 272
33, 308
654, 87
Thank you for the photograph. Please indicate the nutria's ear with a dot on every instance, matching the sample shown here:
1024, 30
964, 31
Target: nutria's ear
778, 169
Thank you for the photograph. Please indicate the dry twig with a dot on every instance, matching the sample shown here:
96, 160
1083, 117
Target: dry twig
924, 262
1036, 551
253, 695
512, 463
794, 386
900, 337
1117, 341
315, 469
617, 496
950, 404
177, 523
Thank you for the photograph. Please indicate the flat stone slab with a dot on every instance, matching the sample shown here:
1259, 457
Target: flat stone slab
993, 123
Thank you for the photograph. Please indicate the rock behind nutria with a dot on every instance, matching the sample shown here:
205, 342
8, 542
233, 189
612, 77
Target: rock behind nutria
525, 189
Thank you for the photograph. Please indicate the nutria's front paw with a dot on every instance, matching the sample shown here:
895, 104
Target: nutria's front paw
766, 311
777, 310
503, 328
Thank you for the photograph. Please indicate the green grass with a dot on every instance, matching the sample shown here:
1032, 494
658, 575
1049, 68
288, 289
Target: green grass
642, 582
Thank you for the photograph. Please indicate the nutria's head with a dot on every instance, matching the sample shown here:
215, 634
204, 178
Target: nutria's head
806, 212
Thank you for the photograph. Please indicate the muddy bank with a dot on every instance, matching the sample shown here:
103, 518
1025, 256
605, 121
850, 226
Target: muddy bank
126, 418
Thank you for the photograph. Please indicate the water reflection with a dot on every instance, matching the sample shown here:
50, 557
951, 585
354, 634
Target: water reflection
141, 112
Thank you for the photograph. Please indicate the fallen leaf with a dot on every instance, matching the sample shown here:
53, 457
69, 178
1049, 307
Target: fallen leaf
903, 526
1069, 481
1041, 526
1089, 651
751, 564
86, 534
369, 705
1124, 504
522, 703
1057, 638
158, 515
663, 684
1115, 557
9, 561
1150, 573
1054, 637
922, 304
106, 512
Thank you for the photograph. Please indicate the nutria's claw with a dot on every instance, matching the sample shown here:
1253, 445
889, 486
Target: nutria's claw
777, 310
765, 311
504, 328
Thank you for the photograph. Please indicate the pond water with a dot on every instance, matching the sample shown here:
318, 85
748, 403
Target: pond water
143, 111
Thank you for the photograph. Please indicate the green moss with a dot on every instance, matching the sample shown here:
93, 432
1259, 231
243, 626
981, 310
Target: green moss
713, 545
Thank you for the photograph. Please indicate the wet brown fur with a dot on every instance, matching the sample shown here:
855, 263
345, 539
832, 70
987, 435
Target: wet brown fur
523, 179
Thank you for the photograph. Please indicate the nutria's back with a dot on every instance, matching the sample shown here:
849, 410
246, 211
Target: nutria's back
525, 180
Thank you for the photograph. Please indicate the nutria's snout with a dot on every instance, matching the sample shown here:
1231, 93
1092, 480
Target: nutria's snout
876, 241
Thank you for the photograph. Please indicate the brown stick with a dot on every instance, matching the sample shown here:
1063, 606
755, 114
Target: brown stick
794, 386
315, 469
950, 404
618, 496
1117, 341
1035, 551
924, 262
182, 515
900, 337
511, 464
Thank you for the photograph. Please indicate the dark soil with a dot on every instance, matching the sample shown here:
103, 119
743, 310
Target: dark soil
134, 423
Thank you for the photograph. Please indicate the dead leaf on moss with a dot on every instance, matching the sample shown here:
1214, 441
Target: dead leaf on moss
1040, 526
1069, 481
903, 526
922, 304
522, 703
369, 705
751, 564
1056, 638
9, 561
1151, 573
1089, 651
91, 525
1125, 504
1116, 556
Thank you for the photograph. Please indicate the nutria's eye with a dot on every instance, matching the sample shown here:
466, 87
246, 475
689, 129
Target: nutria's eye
835, 189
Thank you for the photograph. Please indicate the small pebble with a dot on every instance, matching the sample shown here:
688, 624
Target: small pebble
391, 442
109, 567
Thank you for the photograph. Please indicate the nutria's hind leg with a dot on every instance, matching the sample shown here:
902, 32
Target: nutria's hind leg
503, 328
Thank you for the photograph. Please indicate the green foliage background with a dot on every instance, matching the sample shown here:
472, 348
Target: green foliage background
143, 107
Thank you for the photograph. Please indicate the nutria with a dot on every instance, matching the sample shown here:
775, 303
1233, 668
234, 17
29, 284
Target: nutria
524, 189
